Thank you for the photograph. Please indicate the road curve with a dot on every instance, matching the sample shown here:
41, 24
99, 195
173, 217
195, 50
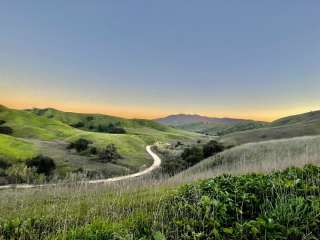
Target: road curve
155, 165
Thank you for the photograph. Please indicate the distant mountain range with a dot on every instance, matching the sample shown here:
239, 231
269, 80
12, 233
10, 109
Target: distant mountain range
181, 119
238, 131
209, 125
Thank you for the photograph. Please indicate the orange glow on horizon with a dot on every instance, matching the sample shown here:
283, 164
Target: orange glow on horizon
148, 113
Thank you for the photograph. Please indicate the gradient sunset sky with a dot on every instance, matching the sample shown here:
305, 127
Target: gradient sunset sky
147, 59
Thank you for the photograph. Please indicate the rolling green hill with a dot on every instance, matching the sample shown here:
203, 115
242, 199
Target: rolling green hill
44, 128
14, 150
306, 124
92, 121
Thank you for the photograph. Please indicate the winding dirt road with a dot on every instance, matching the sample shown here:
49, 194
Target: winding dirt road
155, 165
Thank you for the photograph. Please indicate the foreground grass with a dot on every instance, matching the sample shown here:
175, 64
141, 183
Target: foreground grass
279, 205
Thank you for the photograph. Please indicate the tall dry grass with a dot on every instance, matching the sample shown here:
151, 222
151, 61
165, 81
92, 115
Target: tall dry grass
256, 157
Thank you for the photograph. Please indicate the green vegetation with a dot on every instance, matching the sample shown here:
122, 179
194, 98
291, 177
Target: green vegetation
80, 145
5, 129
280, 205
111, 128
211, 148
109, 154
178, 157
43, 165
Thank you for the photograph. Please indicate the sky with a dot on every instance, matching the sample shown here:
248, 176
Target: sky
147, 59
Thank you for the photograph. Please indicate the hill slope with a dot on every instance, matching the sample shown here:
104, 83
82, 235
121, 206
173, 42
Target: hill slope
306, 124
92, 121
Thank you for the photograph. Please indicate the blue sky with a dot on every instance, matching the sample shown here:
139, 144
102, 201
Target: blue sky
250, 59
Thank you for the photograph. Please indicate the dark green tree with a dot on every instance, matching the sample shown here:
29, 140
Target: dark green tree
80, 145
109, 154
192, 155
42, 164
211, 148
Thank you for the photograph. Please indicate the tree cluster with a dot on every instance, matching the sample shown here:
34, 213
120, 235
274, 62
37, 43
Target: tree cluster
5, 129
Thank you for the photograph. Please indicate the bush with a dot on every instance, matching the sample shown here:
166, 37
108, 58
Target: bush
2, 122
172, 165
192, 155
4, 164
77, 125
80, 145
42, 164
93, 151
110, 153
211, 148
111, 128
89, 118
6, 130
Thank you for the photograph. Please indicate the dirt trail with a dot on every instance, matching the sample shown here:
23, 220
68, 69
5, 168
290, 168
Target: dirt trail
156, 164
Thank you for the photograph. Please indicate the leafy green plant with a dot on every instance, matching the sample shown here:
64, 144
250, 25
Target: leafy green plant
280, 205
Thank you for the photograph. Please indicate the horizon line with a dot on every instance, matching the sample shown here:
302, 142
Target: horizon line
62, 109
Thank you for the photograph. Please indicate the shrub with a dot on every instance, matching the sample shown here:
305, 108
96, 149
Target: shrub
93, 151
211, 148
111, 128
4, 164
77, 125
2, 122
42, 164
192, 155
80, 145
110, 153
178, 144
89, 118
172, 165
6, 130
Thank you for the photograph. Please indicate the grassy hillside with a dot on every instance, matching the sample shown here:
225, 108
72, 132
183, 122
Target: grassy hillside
29, 125
13, 150
292, 126
45, 129
299, 118
257, 157
90, 121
